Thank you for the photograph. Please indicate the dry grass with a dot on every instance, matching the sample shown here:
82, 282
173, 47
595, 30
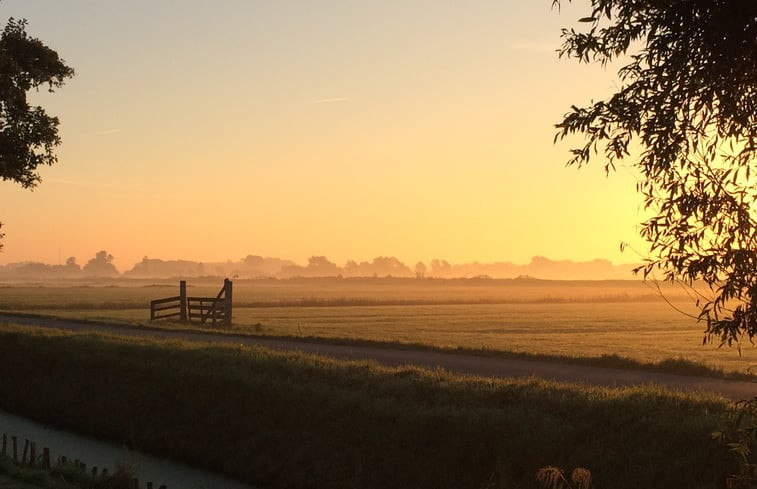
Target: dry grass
333, 291
574, 319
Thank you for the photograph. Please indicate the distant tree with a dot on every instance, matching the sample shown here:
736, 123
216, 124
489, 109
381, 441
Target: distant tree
440, 268
687, 100
157, 268
381, 266
420, 269
320, 266
389, 266
70, 270
255, 266
100, 266
352, 268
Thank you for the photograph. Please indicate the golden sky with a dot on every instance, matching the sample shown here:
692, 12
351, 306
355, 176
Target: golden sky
411, 128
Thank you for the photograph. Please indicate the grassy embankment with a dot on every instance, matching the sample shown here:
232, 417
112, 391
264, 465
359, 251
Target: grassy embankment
615, 324
63, 475
294, 420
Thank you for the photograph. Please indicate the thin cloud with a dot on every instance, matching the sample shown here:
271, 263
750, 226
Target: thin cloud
92, 183
106, 132
535, 47
331, 100
81, 183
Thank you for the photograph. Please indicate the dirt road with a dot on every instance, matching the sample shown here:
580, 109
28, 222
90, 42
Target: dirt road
458, 363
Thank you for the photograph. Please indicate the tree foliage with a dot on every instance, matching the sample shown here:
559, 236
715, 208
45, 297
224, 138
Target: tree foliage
27, 134
100, 266
688, 102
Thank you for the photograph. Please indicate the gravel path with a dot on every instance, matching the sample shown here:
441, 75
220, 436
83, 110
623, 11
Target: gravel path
454, 362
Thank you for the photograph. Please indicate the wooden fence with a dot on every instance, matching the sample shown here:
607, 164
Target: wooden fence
214, 310
30, 458
171, 307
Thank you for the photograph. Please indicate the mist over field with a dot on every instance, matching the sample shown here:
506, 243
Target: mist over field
254, 266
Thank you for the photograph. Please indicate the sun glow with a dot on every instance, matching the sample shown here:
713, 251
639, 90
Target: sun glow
300, 133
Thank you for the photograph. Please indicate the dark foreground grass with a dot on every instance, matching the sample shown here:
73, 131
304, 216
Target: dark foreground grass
294, 420
62, 475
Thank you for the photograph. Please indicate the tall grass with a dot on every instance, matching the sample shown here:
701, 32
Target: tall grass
295, 420
62, 475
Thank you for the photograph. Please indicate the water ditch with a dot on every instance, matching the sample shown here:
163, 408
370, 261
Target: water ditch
105, 455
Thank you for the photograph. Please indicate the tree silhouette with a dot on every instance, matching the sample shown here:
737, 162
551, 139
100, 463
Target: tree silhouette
100, 266
27, 134
420, 269
320, 266
688, 101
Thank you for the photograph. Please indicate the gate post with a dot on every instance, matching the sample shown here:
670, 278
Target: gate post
227, 293
183, 301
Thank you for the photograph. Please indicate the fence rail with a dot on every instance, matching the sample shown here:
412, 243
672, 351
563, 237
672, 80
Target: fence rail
159, 306
216, 310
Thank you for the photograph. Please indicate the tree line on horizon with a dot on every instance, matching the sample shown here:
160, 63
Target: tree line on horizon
256, 267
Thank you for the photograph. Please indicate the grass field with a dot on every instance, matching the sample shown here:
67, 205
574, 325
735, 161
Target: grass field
574, 319
122, 293
296, 420
293, 420
646, 332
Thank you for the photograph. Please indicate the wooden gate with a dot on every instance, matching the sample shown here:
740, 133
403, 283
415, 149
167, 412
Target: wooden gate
214, 310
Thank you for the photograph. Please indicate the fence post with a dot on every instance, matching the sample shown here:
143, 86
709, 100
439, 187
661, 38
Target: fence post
183, 300
46, 458
33, 453
227, 292
15, 448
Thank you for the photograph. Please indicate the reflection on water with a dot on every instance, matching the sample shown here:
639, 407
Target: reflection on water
104, 455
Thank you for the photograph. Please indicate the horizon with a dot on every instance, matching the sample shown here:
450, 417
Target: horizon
255, 266
80, 260
375, 129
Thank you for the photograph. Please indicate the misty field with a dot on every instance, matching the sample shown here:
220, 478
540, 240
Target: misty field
574, 319
126, 293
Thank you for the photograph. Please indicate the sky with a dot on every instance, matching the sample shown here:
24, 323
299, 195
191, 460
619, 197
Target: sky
417, 129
